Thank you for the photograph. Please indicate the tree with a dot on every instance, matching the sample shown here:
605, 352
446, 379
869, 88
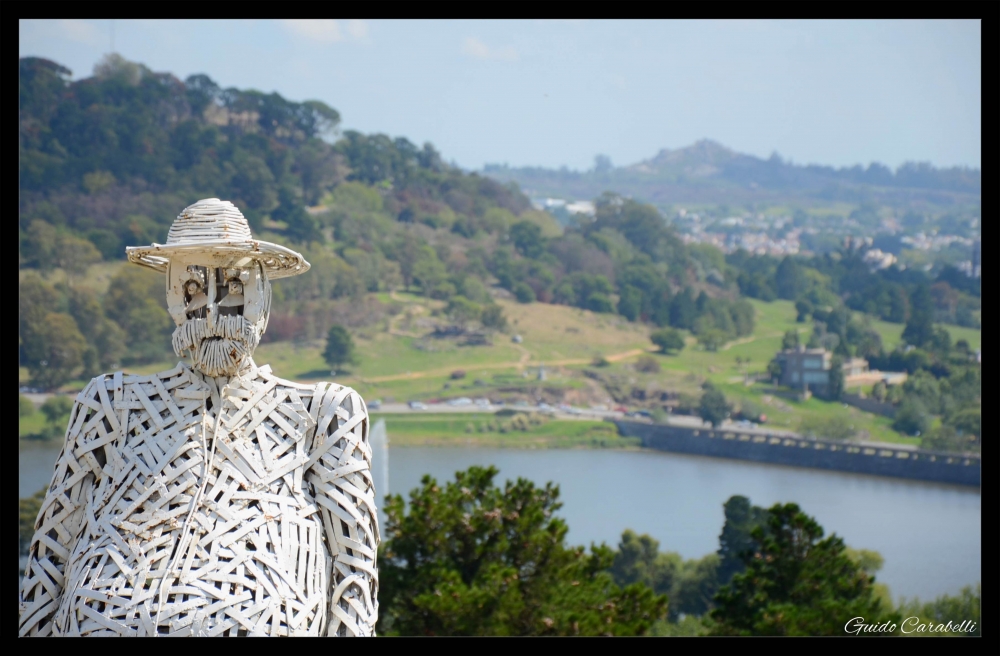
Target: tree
24, 406
796, 582
946, 438
60, 351
968, 421
803, 309
789, 279
736, 540
339, 347
638, 560
966, 605
35, 301
682, 310
713, 407
461, 310
911, 417
835, 381
695, 587
668, 339
647, 364
472, 558
56, 408
106, 341
301, 225
836, 427
524, 293
74, 255
775, 369
919, 330
598, 302
790, 340
136, 302
527, 238
899, 305
711, 339
492, 317
868, 560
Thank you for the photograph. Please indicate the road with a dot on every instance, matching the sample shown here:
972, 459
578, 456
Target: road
520, 364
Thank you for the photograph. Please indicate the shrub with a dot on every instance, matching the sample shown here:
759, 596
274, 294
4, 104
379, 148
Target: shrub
24, 406
668, 339
713, 407
56, 408
647, 364
524, 293
831, 428
492, 317
911, 418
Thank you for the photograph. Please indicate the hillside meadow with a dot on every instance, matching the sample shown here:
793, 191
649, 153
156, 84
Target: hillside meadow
398, 362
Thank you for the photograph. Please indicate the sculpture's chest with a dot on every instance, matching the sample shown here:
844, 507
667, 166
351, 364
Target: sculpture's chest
232, 481
258, 429
193, 441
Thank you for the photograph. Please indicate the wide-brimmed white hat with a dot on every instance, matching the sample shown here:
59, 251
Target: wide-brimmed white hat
215, 232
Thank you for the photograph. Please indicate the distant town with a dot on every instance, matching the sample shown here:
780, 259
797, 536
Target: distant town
763, 234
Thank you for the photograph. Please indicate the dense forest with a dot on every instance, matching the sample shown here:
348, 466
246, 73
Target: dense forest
108, 161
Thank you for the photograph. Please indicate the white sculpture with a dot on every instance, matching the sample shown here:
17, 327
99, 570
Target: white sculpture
214, 498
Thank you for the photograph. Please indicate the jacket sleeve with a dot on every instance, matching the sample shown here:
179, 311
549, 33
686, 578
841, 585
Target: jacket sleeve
61, 518
345, 495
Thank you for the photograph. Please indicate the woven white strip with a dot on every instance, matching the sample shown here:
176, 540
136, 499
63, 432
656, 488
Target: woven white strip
209, 219
273, 534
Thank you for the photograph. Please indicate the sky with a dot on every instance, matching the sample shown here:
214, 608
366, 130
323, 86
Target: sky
557, 93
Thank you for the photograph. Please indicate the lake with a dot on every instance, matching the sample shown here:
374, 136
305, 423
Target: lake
928, 533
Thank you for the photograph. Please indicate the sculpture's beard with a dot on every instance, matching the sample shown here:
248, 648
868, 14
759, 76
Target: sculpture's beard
219, 346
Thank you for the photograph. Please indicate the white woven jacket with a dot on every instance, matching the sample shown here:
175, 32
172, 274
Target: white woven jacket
261, 517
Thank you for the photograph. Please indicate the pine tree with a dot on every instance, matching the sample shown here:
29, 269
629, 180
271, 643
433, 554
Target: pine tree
796, 582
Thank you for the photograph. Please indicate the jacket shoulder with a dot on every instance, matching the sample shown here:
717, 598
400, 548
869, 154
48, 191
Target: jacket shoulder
324, 389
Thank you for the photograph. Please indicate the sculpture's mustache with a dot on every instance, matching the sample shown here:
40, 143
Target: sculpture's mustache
217, 345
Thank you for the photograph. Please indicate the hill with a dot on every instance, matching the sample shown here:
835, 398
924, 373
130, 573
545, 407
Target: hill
708, 172
431, 268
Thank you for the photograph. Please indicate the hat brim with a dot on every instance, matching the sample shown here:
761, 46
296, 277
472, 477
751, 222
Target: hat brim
277, 261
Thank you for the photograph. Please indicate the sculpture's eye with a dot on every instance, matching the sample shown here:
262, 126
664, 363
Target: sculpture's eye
232, 299
195, 295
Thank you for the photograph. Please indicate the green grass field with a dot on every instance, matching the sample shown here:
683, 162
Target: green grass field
397, 367
891, 334
31, 424
472, 430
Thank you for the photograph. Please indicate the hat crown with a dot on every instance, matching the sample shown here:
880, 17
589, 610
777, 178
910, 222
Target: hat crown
209, 220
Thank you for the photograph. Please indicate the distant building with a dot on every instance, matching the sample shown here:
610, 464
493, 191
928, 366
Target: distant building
581, 207
870, 377
803, 368
876, 259
855, 367
809, 369
976, 270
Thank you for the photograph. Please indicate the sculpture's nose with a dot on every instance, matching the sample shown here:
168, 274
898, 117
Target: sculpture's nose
212, 289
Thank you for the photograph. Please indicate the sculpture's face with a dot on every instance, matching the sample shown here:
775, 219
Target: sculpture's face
220, 313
